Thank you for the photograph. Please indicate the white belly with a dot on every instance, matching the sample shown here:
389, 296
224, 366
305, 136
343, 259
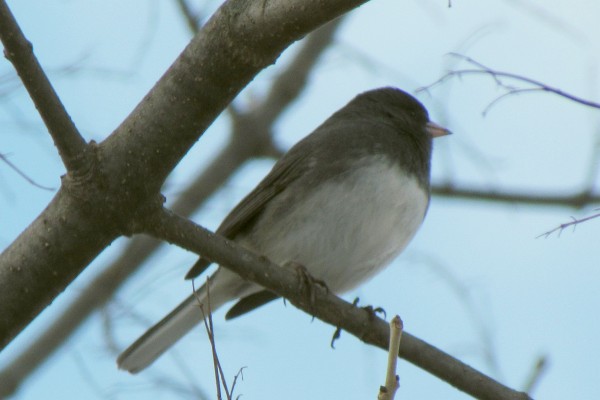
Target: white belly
349, 232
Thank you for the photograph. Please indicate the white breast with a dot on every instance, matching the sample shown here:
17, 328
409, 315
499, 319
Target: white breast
347, 231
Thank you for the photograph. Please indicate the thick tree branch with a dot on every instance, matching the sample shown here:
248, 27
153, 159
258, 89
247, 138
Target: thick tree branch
287, 282
242, 38
251, 137
19, 51
124, 174
47, 256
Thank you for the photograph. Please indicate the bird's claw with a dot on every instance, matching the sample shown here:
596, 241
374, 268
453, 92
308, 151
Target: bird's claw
308, 281
374, 311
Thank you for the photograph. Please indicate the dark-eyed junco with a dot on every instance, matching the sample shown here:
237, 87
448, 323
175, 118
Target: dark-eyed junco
343, 203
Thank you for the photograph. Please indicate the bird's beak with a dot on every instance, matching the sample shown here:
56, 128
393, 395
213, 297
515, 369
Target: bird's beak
436, 130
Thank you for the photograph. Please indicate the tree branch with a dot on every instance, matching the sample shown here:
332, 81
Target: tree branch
287, 282
577, 200
192, 19
537, 86
19, 52
251, 137
240, 39
574, 222
126, 171
23, 175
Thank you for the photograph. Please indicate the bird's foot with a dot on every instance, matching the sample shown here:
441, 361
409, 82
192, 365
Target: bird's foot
307, 281
373, 311
369, 309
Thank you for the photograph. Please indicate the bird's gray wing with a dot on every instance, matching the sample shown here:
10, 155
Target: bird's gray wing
285, 171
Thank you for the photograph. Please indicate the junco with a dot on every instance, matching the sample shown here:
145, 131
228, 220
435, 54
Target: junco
343, 203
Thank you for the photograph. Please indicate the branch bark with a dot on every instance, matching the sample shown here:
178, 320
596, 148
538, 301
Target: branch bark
122, 176
118, 184
251, 137
19, 51
290, 284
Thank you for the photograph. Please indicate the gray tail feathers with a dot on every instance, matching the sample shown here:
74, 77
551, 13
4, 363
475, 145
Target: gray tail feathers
168, 331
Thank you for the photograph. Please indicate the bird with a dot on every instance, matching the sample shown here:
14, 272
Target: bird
342, 203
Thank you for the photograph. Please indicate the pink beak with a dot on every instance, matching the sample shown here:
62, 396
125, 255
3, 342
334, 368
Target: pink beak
436, 130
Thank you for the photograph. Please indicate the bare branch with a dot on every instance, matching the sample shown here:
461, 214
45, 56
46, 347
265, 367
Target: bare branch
251, 137
192, 19
240, 374
537, 86
19, 51
23, 175
574, 222
538, 370
128, 169
208, 325
102, 288
388, 391
576, 200
324, 305
207, 320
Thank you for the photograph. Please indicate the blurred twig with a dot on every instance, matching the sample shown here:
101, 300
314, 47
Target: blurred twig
537, 372
575, 200
192, 19
465, 295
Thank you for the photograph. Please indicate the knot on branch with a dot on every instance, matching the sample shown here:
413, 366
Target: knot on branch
108, 198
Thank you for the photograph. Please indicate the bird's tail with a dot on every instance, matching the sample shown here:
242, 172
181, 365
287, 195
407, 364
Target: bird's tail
170, 329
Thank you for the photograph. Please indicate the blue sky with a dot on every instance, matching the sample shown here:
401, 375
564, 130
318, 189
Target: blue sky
475, 281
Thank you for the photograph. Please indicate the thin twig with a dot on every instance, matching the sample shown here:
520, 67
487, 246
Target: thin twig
464, 294
536, 374
510, 90
23, 175
208, 324
235, 378
574, 222
192, 19
207, 318
388, 392
18, 50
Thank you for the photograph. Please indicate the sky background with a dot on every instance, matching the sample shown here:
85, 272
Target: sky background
475, 282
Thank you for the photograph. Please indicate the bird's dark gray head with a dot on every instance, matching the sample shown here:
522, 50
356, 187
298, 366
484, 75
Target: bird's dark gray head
384, 122
392, 103
408, 120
